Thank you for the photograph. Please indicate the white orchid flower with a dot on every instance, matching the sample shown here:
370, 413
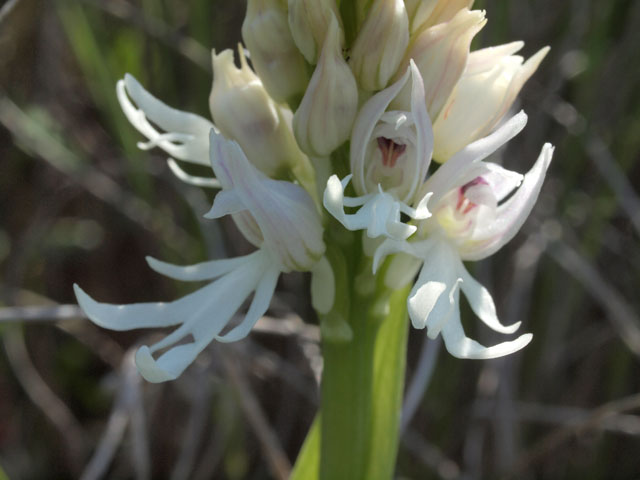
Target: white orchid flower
278, 217
390, 156
471, 220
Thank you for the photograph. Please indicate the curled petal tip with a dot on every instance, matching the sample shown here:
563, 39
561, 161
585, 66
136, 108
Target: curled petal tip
513, 328
422, 211
153, 263
85, 302
149, 368
519, 119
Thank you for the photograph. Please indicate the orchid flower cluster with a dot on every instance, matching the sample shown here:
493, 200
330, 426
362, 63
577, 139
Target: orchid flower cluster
379, 124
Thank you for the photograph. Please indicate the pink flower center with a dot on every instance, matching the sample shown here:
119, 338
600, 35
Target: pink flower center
464, 205
390, 151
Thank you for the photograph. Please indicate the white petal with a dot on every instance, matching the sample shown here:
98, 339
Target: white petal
229, 161
206, 318
512, 214
485, 59
459, 345
421, 212
424, 129
139, 315
200, 271
168, 366
259, 305
502, 181
435, 294
416, 249
481, 302
333, 198
205, 182
453, 173
187, 133
226, 202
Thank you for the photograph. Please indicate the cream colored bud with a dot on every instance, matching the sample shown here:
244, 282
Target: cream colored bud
380, 45
427, 13
325, 117
309, 21
274, 54
243, 111
441, 53
484, 94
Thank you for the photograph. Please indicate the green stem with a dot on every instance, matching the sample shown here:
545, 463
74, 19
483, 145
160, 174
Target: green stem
363, 378
388, 386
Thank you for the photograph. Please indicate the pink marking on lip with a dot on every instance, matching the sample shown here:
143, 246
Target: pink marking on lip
463, 201
390, 150
473, 183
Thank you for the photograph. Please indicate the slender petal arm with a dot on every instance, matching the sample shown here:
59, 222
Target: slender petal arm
461, 346
379, 214
186, 134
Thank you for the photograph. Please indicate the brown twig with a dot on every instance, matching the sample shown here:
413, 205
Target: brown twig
120, 417
276, 458
53, 408
623, 424
430, 455
200, 397
624, 320
38, 313
555, 439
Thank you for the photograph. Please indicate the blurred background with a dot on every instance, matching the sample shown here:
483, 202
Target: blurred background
80, 203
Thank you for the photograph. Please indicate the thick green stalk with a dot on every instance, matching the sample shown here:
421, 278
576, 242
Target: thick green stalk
363, 378
390, 357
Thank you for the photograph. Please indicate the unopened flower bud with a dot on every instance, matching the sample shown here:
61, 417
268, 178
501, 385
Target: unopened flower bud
273, 52
482, 97
381, 44
427, 13
441, 52
325, 117
309, 21
243, 111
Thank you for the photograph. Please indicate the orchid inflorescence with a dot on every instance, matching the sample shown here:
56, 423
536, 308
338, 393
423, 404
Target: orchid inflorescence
334, 126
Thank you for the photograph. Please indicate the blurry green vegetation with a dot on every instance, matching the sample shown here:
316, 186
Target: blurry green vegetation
80, 203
